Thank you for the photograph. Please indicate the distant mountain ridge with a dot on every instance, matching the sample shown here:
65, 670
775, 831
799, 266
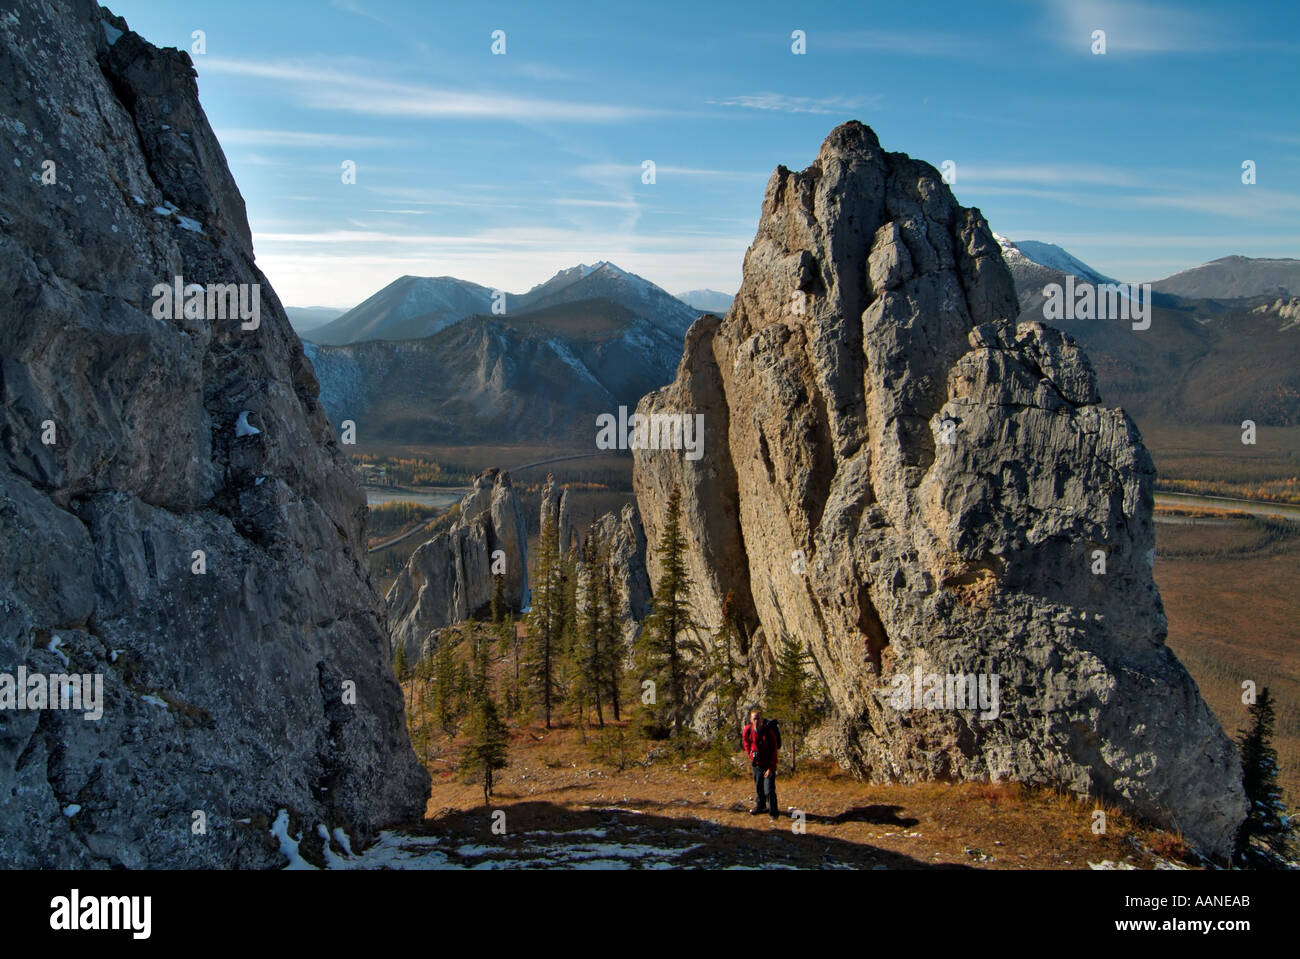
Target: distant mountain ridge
706, 301
1188, 366
1235, 277
412, 307
408, 308
304, 318
590, 339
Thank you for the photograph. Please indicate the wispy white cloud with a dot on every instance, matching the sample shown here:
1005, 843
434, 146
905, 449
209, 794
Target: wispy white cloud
789, 104
602, 171
367, 94
1249, 202
1062, 174
1136, 27
612, 204
300, 138
337, 268
360, 9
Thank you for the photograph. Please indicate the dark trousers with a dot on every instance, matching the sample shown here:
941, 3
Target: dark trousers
765, 790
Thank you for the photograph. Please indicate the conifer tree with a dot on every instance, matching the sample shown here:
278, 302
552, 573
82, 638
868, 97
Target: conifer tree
1264, 838
669, 644
722, 668
589, 649
401, 670
792, 696
611, 624
545, 620
463, 690
481, 654
485, 749
444, 689
498, 597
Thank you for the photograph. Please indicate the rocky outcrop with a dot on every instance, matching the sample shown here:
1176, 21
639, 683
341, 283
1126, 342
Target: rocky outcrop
901, 479
555, 509
451, 576
623, 541
177, 520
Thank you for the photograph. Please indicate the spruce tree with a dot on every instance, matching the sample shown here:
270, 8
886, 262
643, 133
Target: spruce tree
722, 668
485, 750
481, 653
444, 689
1264, 838
611, 625
545, 620
792, 696
402, 671
669, 644
498, 597
589, 648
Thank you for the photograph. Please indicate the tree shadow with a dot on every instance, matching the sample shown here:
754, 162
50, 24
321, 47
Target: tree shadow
876, 815
540, 834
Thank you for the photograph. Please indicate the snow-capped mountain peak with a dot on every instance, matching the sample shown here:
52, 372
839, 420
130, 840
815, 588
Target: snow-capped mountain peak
1049, 255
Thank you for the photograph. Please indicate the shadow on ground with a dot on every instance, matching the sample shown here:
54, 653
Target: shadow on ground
633, 835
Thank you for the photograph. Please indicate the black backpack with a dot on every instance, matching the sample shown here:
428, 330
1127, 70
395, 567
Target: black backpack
775, 729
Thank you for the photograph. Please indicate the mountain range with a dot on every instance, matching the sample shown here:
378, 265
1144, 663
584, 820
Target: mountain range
427, 359
588, 340
415, 306
1223, 345
706, 301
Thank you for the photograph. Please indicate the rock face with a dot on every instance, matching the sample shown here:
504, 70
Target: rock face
911, 486
212, 576
450, 576
624, 538
555, 509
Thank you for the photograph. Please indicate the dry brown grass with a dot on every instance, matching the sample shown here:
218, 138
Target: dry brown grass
1233, 618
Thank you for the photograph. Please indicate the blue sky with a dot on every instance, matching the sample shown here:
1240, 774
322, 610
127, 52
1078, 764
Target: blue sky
503, 169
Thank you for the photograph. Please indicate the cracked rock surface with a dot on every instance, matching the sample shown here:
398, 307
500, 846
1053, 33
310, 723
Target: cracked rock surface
225, 691
899, 477
449, 577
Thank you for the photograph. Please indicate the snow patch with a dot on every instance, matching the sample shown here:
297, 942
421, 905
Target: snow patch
288, 844
243, 427
53, 647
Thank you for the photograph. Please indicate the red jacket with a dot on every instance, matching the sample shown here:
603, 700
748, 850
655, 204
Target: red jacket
760, 746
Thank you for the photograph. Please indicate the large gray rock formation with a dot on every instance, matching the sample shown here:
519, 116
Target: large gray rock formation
555, 509
450, 577
212, 576
623, 539
902, 480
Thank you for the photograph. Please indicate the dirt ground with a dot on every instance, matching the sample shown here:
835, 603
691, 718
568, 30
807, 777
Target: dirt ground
676, 814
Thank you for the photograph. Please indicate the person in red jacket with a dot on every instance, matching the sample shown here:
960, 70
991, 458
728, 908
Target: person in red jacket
760, 744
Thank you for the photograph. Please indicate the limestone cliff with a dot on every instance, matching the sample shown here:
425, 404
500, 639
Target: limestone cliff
901, 479
176, 516
451, 576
